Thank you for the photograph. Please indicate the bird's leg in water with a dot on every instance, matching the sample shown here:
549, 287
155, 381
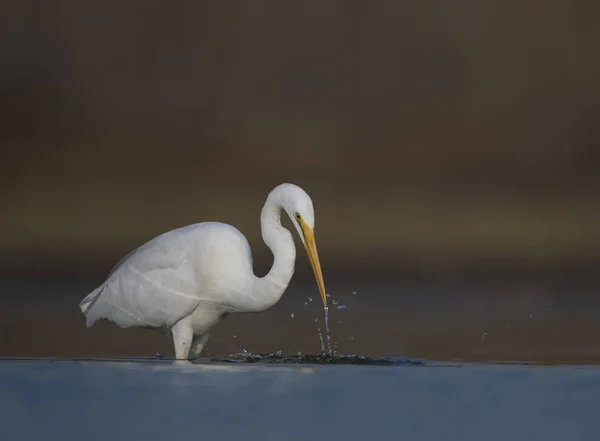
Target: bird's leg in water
198, 345
182, 338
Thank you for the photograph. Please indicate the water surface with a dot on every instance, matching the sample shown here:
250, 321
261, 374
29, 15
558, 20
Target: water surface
156, 400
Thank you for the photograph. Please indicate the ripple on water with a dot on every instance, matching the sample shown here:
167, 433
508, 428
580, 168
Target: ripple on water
247, 357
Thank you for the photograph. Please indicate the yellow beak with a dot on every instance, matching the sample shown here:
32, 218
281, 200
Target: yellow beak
313, 256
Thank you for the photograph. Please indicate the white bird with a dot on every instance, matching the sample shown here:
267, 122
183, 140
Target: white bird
183, 281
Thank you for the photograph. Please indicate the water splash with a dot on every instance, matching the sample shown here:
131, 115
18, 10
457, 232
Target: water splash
322, 342
299, 358
327, 331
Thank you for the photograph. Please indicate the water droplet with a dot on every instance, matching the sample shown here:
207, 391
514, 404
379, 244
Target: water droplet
335, 302
353, 293
483, 335
530, 314
327, 331
305, 303
549, 303
234, 336
509, 327
310, 299
292, 315
341, 306
340, 321
316, 320
321, 340
327, 295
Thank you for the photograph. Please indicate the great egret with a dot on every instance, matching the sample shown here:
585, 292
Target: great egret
183, 281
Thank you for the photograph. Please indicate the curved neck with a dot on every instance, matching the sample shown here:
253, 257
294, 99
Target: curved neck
270, 288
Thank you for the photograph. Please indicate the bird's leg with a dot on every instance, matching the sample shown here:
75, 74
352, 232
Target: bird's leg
198, 345
182, 338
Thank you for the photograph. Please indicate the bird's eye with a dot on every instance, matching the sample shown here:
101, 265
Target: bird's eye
298, 216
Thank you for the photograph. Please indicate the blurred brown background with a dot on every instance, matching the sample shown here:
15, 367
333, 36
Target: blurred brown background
451, 150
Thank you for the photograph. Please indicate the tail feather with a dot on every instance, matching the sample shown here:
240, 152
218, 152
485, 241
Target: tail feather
89, 301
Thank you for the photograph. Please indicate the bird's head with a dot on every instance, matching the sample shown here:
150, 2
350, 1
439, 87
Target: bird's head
299, 207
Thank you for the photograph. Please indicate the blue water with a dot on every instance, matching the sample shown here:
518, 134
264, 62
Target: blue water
156, 400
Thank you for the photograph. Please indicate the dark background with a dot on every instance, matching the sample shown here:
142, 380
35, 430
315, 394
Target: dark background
451, 150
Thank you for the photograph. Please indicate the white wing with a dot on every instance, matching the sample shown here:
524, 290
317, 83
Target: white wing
154, 286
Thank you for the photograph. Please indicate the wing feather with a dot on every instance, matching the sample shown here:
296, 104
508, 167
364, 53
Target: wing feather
154, 286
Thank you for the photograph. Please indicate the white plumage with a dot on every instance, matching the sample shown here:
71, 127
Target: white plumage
185, 280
